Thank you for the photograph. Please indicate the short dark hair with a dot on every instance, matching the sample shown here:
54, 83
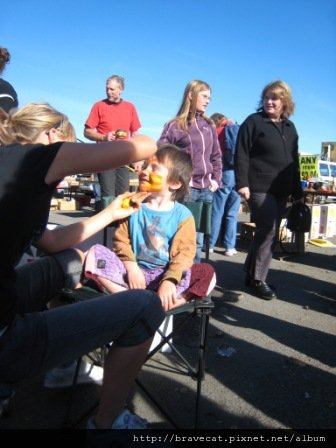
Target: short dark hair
179, 167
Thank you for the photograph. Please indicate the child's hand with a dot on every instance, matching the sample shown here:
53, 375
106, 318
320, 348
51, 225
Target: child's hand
135, 277
167, 294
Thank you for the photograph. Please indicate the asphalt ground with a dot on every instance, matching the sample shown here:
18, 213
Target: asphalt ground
269, 364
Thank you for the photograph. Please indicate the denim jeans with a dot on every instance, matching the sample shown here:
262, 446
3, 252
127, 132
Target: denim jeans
225, 207
39, 339
199, 195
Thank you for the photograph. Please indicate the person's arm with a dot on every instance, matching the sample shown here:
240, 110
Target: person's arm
216, 161
64, 237
135, 124
242, 159
182, 254
297, 190
183, 250
137, 166
74, 158
93, 135
92, 124
167, 135
122, 246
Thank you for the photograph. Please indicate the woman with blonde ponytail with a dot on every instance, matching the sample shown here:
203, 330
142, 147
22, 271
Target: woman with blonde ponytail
37, 151
24, 125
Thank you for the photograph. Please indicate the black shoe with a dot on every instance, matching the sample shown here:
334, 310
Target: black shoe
249, 281
261, 290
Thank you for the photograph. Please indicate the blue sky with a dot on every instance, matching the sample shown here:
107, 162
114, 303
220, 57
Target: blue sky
62, 53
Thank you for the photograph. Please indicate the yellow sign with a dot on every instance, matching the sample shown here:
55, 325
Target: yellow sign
309, 167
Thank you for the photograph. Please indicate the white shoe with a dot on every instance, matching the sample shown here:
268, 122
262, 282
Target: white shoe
230, 252
64, 376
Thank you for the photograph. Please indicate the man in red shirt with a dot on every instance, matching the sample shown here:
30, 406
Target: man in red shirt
106, 117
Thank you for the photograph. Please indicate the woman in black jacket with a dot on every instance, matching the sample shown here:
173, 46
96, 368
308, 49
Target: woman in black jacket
267, 172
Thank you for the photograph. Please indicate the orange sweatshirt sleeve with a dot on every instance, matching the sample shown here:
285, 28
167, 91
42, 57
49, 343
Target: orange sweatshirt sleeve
122, 243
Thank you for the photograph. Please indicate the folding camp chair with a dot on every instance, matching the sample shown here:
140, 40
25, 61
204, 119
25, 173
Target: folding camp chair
202, 215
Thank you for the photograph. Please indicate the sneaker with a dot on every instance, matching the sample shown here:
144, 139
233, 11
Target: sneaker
230, 252
126, 420
63, 376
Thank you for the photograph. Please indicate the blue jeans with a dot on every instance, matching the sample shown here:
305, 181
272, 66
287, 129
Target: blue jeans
39, 339
225, 206
199, 195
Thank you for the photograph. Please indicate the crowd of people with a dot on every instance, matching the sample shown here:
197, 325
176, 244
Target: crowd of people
153, 265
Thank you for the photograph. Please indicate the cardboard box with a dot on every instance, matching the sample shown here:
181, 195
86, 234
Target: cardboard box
53, 204
315, 222
328, 220
83, 200
285, 235
67, 204
244, 208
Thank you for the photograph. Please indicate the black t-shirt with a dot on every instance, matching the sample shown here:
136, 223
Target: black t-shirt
8, 96
24, 210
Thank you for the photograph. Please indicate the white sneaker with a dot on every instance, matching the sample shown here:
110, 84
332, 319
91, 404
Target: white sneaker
63, 376
230, 252
125, 420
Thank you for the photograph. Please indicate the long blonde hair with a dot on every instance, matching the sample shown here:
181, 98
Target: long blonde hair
25, 124
187, 111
